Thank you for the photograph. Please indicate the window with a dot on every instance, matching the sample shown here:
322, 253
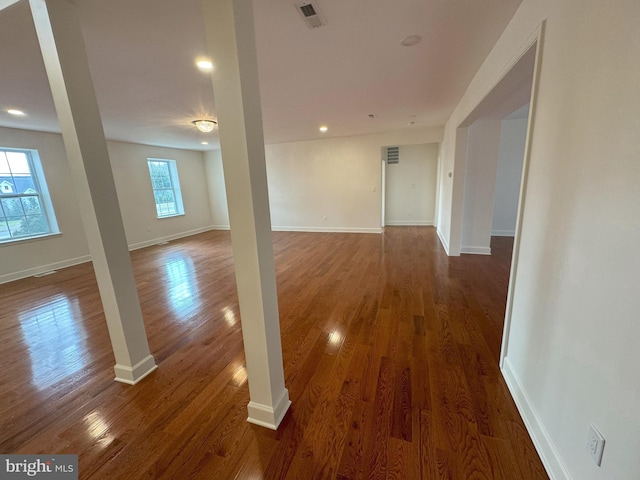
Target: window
166, 187
25, 207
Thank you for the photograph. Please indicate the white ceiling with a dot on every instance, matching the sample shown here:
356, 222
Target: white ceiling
142, 55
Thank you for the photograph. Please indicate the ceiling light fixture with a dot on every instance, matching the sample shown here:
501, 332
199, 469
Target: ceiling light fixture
204, 143
204, 65
205, 126
13, 111
411, 40
324, 128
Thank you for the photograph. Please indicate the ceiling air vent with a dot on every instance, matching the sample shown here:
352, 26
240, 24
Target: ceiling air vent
310, 14
392, 155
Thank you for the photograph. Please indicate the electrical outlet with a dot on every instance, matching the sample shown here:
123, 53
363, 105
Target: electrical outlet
595, 444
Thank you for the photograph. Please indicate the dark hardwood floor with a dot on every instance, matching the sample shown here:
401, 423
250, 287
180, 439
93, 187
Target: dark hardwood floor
390, 357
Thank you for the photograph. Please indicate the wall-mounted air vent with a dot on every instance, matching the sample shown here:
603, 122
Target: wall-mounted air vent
310, 14
392, 155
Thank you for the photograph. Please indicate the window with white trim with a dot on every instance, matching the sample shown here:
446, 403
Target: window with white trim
26, 210
166, 187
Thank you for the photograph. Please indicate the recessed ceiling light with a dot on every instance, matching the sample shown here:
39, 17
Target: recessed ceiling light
411, 40
13, 111
205, 65
324, 128
204, 143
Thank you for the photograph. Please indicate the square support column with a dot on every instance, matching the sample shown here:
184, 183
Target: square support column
65, 60
231, 41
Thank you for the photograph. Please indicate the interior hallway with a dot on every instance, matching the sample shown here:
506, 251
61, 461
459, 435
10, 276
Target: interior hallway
390, 357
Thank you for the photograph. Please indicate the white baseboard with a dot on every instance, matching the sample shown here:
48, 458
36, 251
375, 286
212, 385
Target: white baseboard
476, 250
444, 243
13, 276
503, 233
168, 238
327, 229
409, 224
539, 435
29, 272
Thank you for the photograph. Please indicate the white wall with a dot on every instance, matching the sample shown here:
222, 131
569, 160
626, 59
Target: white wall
336, 178
217, 190
508, 177
131, 173
572, 348
410, 186
483, 139
142, 227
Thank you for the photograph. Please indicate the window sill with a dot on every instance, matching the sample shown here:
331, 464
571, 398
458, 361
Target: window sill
171, 216
17, 241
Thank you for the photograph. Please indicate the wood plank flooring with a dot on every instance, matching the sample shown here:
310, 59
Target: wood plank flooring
390, 357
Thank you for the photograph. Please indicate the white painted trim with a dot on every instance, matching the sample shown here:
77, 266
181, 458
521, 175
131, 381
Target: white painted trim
11, 277
410, 224
383, 190
220, 227
476, 250
444, 243
541, 439
327, 229
168, 238
6, 3
132, 375
538, 40
268, 416
503, 233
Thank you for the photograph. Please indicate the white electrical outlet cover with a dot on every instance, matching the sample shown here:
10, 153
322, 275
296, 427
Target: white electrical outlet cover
595, 444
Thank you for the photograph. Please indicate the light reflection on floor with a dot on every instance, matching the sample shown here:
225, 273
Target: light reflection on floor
56, 339
98, 429
229, 316
182, 285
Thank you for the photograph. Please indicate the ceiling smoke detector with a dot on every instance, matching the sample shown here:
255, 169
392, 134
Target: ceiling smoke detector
310, 14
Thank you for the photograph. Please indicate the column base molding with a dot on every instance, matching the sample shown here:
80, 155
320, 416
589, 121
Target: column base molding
132, 375
269, 416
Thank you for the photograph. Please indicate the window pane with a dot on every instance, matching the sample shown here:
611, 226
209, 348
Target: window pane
34, 225
15, 226
31, 205
18, 163
12, 207
4, 165
4, 230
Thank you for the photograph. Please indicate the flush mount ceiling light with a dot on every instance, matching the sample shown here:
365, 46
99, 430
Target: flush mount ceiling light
204, 65
324, 128
411, 40
205, 126
18, 113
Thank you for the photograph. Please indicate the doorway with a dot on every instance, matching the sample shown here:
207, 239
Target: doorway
477, 146
409, 179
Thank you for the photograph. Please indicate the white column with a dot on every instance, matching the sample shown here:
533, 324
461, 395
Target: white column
65, 60
231, 42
